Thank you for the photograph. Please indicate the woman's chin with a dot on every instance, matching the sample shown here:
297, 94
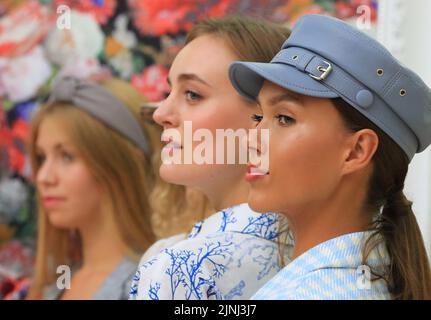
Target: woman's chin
179, 174
61, 224
171, 173
58, 220
258, 202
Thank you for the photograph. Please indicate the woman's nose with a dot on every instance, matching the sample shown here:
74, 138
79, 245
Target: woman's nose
166, 114
258, 146
46, 174
257, 140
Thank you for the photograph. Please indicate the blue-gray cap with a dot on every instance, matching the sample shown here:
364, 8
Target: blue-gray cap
325, 57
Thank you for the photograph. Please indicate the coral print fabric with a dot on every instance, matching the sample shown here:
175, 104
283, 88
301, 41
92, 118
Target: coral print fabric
230, 255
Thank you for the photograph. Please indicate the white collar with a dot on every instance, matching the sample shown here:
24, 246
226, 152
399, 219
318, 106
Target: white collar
240, 218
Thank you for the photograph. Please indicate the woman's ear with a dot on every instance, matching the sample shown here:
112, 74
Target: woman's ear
362, 147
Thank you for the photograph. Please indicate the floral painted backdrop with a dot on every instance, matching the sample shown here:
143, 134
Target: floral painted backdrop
132, 39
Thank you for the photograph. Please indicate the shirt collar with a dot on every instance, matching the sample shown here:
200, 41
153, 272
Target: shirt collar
345, 251
242, 219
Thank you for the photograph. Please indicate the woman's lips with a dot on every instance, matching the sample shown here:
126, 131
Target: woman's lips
170, 146
254, 173
170, 143
50, 202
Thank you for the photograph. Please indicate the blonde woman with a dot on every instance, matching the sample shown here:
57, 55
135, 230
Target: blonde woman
171, 221
175, 208
90, 155
234, 250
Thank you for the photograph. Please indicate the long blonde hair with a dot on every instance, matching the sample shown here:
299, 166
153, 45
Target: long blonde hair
176, 208
120, 168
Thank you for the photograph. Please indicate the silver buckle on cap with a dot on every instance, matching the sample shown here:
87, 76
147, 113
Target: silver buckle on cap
325, 71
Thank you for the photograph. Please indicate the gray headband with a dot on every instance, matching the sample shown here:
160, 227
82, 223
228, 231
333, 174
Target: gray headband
101, 104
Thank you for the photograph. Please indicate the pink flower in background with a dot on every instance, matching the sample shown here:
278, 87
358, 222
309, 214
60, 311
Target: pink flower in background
101, 10
24, 28
85, 68
152, 82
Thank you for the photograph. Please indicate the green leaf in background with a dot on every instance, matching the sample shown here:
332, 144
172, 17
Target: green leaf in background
138, 63
45, 2
8, 105
328, 5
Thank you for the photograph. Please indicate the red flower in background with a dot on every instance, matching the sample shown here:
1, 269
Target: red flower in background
159, 17
152, 82
23, 28
12, 141
101, 10
219, 8
346, 10
172, 16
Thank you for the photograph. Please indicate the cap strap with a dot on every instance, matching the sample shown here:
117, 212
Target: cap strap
351, 90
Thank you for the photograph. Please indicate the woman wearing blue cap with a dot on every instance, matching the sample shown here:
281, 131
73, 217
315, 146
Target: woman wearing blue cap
345, 119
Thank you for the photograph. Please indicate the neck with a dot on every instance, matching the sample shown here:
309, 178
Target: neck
102, 247
320, 222
227, 192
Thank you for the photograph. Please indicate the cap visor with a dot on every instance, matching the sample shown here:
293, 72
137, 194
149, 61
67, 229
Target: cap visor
248, 77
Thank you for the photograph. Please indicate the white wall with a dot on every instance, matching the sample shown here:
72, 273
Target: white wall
404, 27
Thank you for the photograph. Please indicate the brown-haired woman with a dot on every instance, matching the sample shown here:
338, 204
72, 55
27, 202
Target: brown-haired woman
345, 119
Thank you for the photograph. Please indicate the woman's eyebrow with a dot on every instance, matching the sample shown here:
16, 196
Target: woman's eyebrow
189, 76
57, 146
283, 97
38, 149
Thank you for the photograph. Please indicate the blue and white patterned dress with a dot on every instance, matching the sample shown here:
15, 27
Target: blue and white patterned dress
331, 270
229, 255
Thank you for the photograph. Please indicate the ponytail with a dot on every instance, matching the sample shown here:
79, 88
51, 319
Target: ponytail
409, 274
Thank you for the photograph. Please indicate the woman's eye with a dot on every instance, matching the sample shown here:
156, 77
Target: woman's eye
284, 120
256, 118
192, 96
40, 159
67, 157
